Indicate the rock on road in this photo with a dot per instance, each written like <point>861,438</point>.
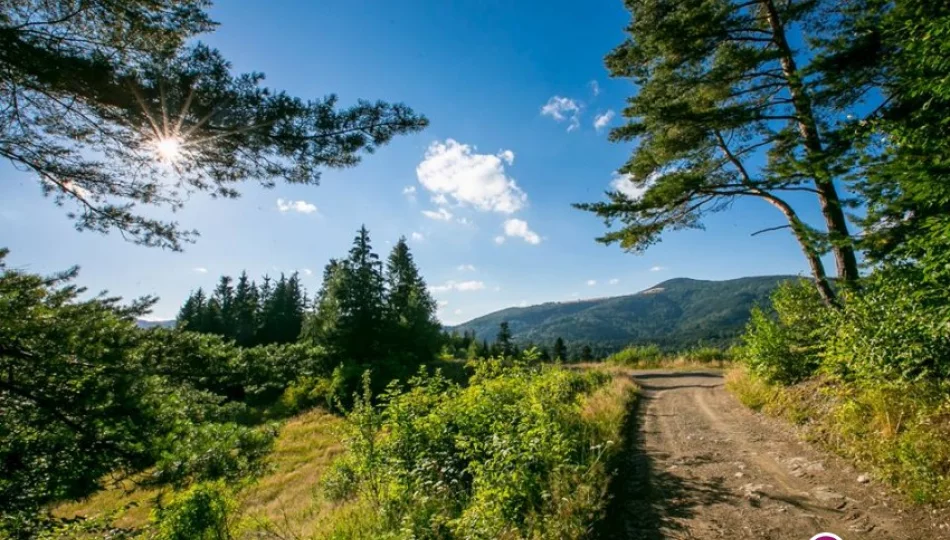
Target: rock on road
<point>700,465</point>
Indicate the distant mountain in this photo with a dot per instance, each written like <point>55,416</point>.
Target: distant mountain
<point>142,323</point>
<point>674,314</point>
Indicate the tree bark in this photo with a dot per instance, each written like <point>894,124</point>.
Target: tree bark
<point>829,200</point>
<point>811,254</point>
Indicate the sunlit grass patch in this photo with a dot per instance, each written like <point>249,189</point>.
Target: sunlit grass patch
<point>284,498</point>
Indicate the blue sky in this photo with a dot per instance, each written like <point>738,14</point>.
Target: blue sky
<point>483,72</point>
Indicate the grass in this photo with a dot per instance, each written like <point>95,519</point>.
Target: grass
<point>288,500</point>
<point>652,357</point>
<point>283,499</point>
<point>901,433</point>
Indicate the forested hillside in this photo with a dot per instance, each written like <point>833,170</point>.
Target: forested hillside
<point>674,314</point>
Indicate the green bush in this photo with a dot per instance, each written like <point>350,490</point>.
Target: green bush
<point>784,346</point>
<point>510,455</point>
<point>203,512</point>
<point>637,356</point>
<point>885,332</point>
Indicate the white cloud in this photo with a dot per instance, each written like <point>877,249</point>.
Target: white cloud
<point>499,239</point>
<point>455,170</point>
<point>417,236</point>
<point>614,281</point>
<point>465,221</point>
<point>507,156</point>
<point>439,199</point>
<point>634,188</point>
<point>594,88</point>
<point>457,312</point>
<point>307,271</point>
<point>443,303</point>
<point>519,228</point>
<point>523,303</point>
<point>575,294</point>
<point>658,268</point>
<point>441,215</point>
<point>625,184</point>
<point>466,268</point>
<point>603,120</point>
<point>201,270</point>
<point>296,206</point>
<point>410,193</point>
<point>591,282</point>
<point>561,109</point>
<point>461,286</point>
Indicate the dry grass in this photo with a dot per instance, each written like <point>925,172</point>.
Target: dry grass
<point>284,500</point>
<point>900,433</point>
<point>607,407</point>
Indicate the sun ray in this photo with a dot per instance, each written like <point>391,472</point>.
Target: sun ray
<point>185,109</point>
<point>148,115</point>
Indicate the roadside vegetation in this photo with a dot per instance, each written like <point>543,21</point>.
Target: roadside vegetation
<point>652,356</point>
<point>869,380</point>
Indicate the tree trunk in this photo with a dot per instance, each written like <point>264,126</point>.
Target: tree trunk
<point>808,248</point>
<point>798,228</point>
<point>842,247</point>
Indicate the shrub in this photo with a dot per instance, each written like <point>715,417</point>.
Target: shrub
<point>784,346</point>
<point>203,512</point>
<point>511,455</point>
<point>885,332</point>
<point>637,356</point>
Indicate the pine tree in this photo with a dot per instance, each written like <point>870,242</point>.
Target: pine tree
<point>503,339</point>
<point>91,90</point>
<point>719,89</point>
<point>410,308</point>
<point>587,354</point>
<point>560,350</point>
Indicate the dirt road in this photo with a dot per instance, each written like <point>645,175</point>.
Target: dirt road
<point>701,466</point>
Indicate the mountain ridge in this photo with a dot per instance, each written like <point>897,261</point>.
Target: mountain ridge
<point>673,313</point>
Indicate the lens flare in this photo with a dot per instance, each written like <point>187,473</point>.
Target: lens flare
<point>168,149</point>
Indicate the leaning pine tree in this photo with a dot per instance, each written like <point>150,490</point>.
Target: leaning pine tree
<point>727,108</point>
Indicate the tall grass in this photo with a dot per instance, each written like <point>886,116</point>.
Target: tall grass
<point>900,433</point>
<point>653,357</point>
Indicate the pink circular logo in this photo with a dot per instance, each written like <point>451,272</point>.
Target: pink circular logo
<point>826,536</point>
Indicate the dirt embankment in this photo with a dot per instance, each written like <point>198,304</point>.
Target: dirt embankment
<point>701,466</point>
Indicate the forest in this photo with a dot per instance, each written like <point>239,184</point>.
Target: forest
<point>838,109</point>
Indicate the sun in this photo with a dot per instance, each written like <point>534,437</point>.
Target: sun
<point>168,149</point>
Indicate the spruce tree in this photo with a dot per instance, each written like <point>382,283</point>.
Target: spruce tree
<point>245,311</point>
<point>503,339</point>
<point>410,308</point>
<point>350,318</point>
<point>322,324</point>
<point>223,302</point>
<point>560,350</point>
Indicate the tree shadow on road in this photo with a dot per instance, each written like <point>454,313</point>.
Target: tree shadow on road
<point>646,501</point>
